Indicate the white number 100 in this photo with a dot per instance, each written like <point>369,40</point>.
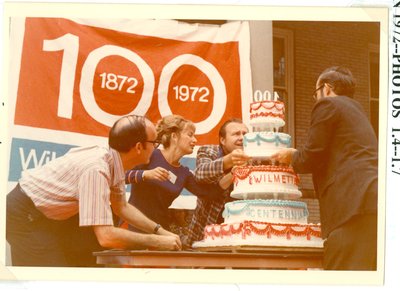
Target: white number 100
<point>69,44</point>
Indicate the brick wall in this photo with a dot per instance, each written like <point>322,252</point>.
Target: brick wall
<point>313,209</point>
<point>317,46</point>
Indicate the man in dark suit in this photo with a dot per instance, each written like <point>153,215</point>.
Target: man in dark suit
<point>341,154</point>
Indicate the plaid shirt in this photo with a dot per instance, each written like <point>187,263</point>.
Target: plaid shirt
<point>209,169</point>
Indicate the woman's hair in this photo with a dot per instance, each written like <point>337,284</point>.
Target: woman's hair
<point>127,132</point>
<point>171,124</point>
<point>340,79</point>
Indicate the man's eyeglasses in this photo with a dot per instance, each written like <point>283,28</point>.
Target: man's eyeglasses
<point>316,91</point>
<point>155,143</point>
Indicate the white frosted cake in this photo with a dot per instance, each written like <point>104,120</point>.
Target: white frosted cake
<point>265,181</point>
<point>263,144</point>
<point>276,211</point>
<point>267,115</point>
<point>265,217</point>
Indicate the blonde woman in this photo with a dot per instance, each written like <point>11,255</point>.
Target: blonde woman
<point>155,185</point>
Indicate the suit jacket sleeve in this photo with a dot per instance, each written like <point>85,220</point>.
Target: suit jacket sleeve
<point>313,155</point>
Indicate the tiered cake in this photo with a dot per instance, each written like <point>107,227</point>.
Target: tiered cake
<point>268,214</point>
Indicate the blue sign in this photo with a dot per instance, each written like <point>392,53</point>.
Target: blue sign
<point>27,154</point>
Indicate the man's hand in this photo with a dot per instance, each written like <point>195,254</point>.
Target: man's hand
<point>162,231</point>
<point>284,156</point>
<point>112,237</point>
<point>168,242</point>
<point>236,158</point>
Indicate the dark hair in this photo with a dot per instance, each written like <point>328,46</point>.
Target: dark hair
<point>222,130</point>
<point>340,79</point>
<point>127,132</point>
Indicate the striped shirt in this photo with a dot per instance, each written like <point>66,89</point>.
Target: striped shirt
<point>82,181</point>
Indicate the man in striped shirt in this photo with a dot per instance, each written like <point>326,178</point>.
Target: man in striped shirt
<point>58,214</point>
<point>214,164</point>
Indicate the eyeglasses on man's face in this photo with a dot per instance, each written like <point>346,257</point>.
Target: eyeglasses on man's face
<point>155,143</point>
<point>316,91</point>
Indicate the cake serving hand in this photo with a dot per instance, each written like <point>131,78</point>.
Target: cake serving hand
<point>238,157</point>
<point>284,156</point>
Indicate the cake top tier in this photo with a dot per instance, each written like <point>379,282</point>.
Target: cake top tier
<point>267,115</point>
<point>272,108</point>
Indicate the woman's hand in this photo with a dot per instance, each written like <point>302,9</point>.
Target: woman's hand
<point>158,173</point>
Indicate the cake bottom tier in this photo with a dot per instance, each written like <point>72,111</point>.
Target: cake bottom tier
<point>253,233</point>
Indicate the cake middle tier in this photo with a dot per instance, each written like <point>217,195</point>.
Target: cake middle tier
<point>263,144</point>
<point>278,211</point>
<point>265,182</point>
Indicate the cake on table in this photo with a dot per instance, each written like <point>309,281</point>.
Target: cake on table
<point>267,213</point>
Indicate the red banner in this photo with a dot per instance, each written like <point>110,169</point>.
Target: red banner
<point>80,78</point>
